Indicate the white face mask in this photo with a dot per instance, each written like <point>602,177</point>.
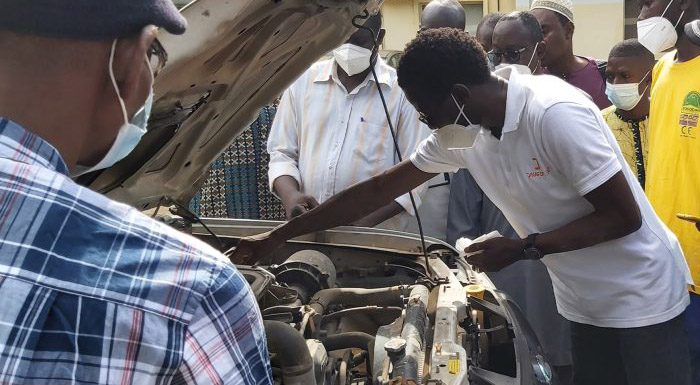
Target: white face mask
<point>130,132</point>
<point>657,33</point>
<point>456,136</point>
<point>625,96</point>
<point>352,59</point>
<point>522,69</point>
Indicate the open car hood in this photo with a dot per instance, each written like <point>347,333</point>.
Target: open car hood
<point>236,57</point>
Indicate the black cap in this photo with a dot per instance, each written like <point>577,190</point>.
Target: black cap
<point>89,19</point>
<point>692,29</point>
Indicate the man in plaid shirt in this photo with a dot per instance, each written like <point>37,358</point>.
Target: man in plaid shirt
<point>92,291</point>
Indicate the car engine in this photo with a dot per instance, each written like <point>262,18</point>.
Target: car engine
<point>337,316</point>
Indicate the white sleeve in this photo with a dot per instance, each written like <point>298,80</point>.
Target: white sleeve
<point>574,139</point>
<point>410,133</point>
<point>283,143</point>
<point>433,158</point>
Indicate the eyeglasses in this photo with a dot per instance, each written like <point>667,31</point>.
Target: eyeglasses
<point>157,57</point>
<point>511,56</point>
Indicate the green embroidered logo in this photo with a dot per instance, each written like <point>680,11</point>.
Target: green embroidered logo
<point>689,115</point>
<point>692,100</point>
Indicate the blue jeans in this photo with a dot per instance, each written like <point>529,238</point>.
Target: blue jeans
<point>692,324</point>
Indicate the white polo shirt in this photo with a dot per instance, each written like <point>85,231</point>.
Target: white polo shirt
<point>556,148</point>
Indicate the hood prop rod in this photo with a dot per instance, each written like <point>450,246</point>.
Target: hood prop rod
<point>372,61</point>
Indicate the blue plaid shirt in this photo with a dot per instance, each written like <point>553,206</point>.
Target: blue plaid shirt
<point>94,292</point>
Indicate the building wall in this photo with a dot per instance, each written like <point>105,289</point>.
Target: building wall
<point>599,23</point>
<point>402,17</point>
<point>400,22</point>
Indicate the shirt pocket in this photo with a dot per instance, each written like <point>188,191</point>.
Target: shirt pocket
<point>374,143</point>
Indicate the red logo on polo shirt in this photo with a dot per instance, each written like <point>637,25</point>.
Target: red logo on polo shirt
<point>538,171</point>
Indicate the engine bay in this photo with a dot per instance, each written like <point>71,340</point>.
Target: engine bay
<point>338,314</point>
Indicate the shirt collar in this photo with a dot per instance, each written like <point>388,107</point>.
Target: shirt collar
<point>327,72</point>
<point>515,102</point>
<point>20,145</point>
<point>627,120</point>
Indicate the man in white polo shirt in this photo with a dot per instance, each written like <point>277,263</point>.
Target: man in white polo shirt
<point>542,153</point>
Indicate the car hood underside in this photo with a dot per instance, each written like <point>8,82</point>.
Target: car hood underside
<point>236,57</point>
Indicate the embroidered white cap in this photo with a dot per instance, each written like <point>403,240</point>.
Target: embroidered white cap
<point>563,7</point>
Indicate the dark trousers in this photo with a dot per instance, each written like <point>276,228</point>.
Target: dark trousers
<point>692,323</point>
<point>650,355</point>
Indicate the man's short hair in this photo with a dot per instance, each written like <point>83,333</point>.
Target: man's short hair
<point>631,48</point>
<point>439,58</point>
<point>490,20</point>
<point>529,21</point>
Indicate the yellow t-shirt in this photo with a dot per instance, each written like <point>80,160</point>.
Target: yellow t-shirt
<point>673,174</point>
<point>633,140</point>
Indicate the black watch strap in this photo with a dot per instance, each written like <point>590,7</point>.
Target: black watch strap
<point>530,240</point>
<point>531,251</point>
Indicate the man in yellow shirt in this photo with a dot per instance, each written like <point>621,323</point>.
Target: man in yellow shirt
<point>628,81</point>
<point>673,176</point>
<point>692,30</point>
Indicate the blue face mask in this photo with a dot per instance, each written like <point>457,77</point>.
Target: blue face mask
<point>130,133</point>
<point>625,96</point>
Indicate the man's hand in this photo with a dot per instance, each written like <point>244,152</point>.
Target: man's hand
<point>297,204</point>
<point>251,249</point>
<point>495,254</point>
<point>349,205</point>
<point>294,201</point>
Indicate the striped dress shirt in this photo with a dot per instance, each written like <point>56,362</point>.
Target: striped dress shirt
<point>329,139</point>
<point>94,292</point>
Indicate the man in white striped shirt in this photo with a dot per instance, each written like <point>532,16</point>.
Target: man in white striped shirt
<point>331,132</point>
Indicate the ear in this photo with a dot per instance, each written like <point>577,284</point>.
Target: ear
<point>541,49</point>
<point>648,80</point>
<point>461,92</point>
<point>380,37</point>
<point>130,61</point>
<point>569,30</point>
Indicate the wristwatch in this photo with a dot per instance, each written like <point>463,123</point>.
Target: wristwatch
<point>531,251</point>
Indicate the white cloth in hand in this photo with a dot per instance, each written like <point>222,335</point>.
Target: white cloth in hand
<point>464,242</point>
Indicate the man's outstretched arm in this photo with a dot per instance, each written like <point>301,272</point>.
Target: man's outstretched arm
<point>387,212</point>
<point>349,205</point>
